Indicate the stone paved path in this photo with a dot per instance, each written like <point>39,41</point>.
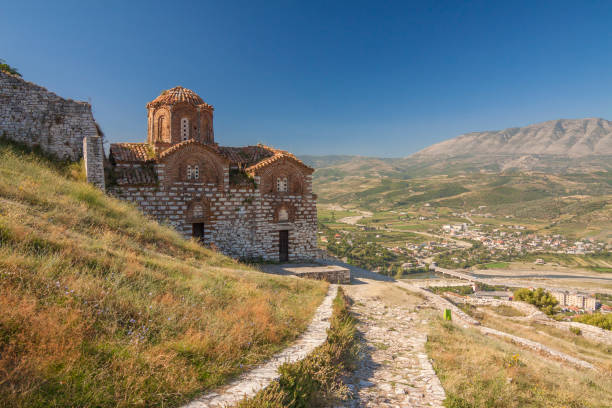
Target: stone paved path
<point>248,384</point>
<point>394,370</point>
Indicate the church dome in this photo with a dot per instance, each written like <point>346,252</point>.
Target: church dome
<point>176,95</point>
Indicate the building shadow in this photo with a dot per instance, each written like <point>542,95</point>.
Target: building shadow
<point>357,273</point>
<point>361,377</point>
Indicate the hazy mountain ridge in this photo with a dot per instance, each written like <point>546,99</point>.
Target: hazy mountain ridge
<point>562,137</point>
<point>556,146</point>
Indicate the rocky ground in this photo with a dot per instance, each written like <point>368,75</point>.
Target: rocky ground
<point>394,370</point>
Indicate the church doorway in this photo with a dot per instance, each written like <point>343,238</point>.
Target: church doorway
<point>197,231</point>
<point>283,246</point>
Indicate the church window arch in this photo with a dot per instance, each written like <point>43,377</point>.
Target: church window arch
<point>283,215</point>
<point>160,128</point>
<point>282,184</point>
<point>184,129</point>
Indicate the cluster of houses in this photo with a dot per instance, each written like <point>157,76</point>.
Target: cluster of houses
<point>425,249</point>
<point>576,302</point>
<point>519,241</point>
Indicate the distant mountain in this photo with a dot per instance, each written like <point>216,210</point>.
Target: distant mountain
<point>324,161</point>
<point>564,137</point>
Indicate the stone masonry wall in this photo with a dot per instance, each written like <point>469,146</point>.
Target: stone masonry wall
<point>93,156</point>
<point>32,115</point>
<point>238,220</point>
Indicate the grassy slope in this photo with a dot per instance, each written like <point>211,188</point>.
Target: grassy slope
<point>481,371</point>
<point>101,306</point>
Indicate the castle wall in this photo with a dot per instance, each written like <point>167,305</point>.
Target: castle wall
<point>32,115</point>
<point>93,156</point>
<point>239,221</point>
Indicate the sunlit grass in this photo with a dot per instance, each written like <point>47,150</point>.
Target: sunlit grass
<point>480,371</point>
<point>101,306</point>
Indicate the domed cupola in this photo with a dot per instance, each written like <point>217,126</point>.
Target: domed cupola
<point>177,115</point>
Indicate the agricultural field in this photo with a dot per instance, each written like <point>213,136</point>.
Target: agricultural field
<point>407,209</point>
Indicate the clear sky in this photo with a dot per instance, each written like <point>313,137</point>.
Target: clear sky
<point>322,77</point>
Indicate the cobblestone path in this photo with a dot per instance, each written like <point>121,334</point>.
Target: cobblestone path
<point>248,384</point>
<point>394,370</point>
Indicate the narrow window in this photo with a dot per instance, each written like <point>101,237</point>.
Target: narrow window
<point>196,172</point>
<point>283,215</point>
<point>160,128</point>
<point>198,211</point>
<point>188,172</point>
<point>281,184</point>
<point>184,129</point>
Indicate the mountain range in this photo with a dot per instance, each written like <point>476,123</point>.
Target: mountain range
<point>563,145</point>
<point>562,137</point>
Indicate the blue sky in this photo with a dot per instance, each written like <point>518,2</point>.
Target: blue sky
<point>329,77</point>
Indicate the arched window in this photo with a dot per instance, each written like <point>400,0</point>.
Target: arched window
<point>283,215</point>
<point>197,211</point>
<point>196,172</point>
<point>189,172</point>
<point>281,184</point>
<point>160,128</point>
<point>184,129</point>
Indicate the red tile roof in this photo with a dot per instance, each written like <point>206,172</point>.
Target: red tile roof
<point>178,94</point>
<point>251,158</point>
<point>131,152</point>
<point>247,155</point>
<point>278,155</point>
<point>180,145</point>
<point>135,176</point>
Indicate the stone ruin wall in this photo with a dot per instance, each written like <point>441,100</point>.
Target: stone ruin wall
<point>534,314</point>
<point>32,115</point>
<point>240,221</point>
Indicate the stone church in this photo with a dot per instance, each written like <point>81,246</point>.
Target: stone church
<point>252,202</point>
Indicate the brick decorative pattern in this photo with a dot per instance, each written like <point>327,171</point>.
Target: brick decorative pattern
<point>240,221</point>
<point>32,115</point>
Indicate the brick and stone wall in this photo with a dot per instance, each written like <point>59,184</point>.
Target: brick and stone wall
<point>32,115</point>
<point>240,221</point>
<point>93,156</point>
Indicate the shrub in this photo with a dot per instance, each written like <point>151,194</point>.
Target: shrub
<point>4,67</point>
<point>596,319</point>
<point>575,330</point>
<point>540,298</point>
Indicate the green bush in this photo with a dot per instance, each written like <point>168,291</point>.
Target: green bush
<point>540,298</point>
<point>596,319</point>
<point>575,330</point>
<point>4,67</point>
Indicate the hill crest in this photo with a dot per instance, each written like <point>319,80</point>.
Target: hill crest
<point>561,137</point>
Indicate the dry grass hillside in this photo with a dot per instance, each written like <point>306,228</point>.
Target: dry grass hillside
<point>103,307</point>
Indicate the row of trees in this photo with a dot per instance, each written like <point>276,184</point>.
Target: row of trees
<point>596,319</point>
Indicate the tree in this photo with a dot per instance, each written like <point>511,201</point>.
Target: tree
<point>4,67</point>
<point>539,298</point>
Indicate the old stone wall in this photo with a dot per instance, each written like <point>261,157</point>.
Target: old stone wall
<point>93,156</point>
<point>238,220</point>
<point>32,115</point>
<point>534,314</point>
